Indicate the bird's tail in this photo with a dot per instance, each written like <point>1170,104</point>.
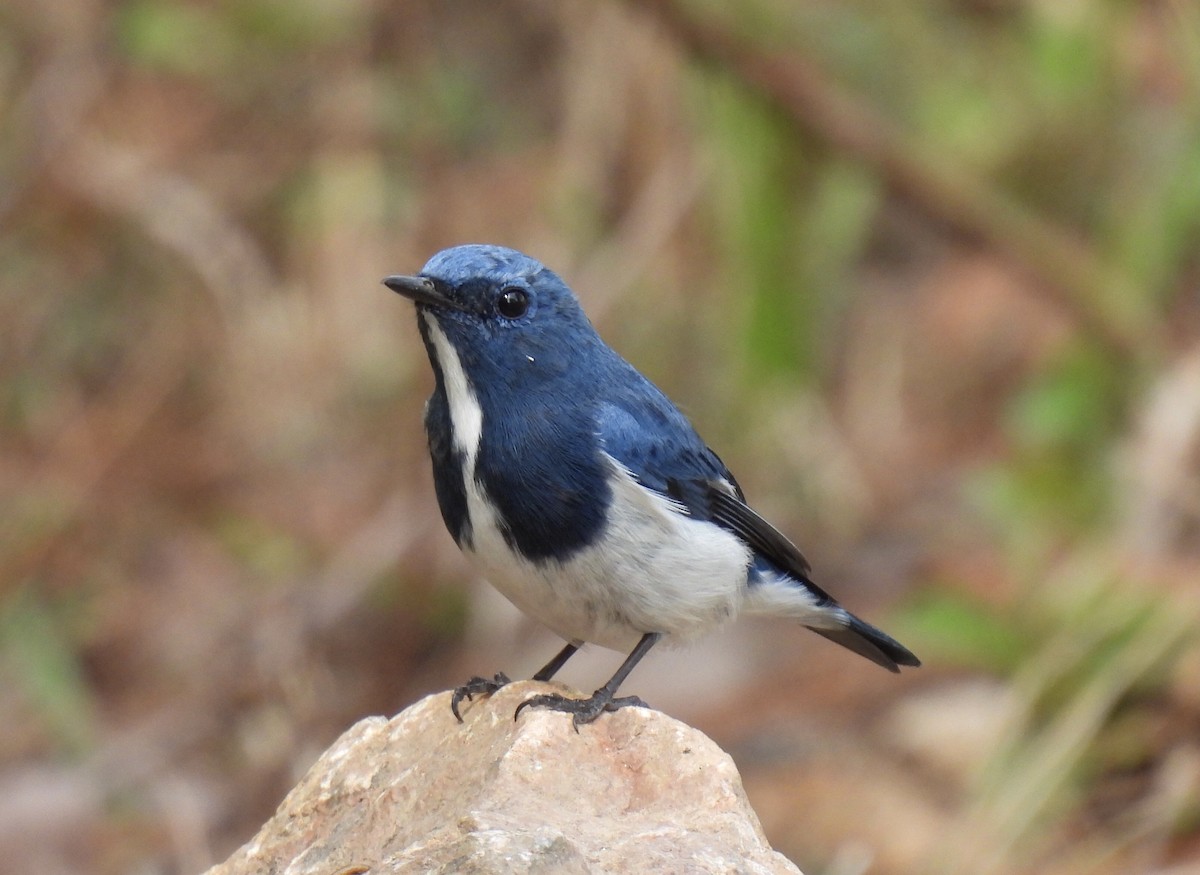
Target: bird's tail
<point>784,596</point>
<point>865,640</point>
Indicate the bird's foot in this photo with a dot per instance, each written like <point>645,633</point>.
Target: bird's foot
<point>581,710</point>
<point>476,686</point>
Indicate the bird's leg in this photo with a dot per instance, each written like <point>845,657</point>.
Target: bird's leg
<point>550,668</point>
<point>478,686</point>
<point>587,710</point>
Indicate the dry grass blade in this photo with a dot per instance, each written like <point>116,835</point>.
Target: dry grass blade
<point>1033,772</point>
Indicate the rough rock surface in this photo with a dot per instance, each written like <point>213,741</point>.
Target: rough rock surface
<point>636,791</point>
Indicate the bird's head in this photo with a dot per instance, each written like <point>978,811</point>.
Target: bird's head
<point>508,318</point>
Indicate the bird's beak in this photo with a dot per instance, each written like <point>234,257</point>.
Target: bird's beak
<point>422,290</point>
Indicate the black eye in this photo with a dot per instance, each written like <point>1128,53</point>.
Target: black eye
<point>512,303</point>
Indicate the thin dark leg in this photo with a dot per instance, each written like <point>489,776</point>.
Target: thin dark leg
<point>550,668</point>
<point>587,710</point>
<point>618,678</point>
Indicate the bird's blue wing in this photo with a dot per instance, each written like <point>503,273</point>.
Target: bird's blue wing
<point>648,435</point>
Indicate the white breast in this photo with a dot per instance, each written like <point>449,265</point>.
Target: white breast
<point>653,569</point>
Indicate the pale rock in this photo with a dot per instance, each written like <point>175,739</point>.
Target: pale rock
<point>636,791</point>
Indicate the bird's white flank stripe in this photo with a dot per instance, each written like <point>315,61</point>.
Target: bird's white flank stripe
<point>466,416</point>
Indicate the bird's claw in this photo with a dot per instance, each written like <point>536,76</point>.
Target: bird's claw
<point>476,686</point>
<point>582,711</point>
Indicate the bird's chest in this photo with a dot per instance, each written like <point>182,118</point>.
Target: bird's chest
<point>530,459</point>
<point>559,527</point>
<point>531,539</point>
<point>541,489</point>
<point>516,476</point>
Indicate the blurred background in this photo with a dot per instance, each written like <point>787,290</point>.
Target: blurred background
<point>926,273</point>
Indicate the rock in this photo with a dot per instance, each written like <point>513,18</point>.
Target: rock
<point>636,791</point>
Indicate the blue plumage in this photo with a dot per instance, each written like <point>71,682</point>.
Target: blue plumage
<point>580,490</point>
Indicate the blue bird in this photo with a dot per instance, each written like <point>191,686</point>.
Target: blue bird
<point>581,492</point>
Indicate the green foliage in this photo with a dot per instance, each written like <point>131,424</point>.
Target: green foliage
<point>38,654</point>
<point>1062,425</point>
<point>176,37</point>
<point>793,223</point>
<point>211,41</point>
<point>444,611</point>
<point>760,226</point>
<point>268,553</point>
<point>957,630</point>
<point>293,25</point>
<point>1072,407</point>
<point>1068,54</point>
<point>1154,211</point>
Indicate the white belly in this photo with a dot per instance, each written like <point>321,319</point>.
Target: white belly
<point>653,569</point>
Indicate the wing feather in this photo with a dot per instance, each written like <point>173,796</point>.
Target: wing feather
<point>675,462</point>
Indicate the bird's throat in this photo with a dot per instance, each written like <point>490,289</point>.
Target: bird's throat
<point>466,414</point>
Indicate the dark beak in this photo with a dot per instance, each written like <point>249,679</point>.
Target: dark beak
<point>421,290</point>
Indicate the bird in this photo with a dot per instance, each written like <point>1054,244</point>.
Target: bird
<point>575,486</point>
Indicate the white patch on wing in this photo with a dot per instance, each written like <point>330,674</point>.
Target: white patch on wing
<point>652,569</point>
<point>466,416</point>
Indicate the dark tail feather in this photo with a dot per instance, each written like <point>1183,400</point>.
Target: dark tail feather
<point>865,640</point>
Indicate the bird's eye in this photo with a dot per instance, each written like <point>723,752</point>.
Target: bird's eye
<point>512,303</point>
